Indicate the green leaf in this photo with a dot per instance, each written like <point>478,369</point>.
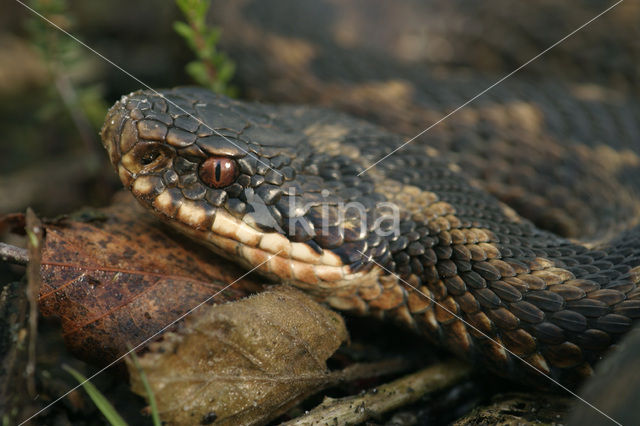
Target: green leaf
<point>202,40</point>
<point>198,71</point>
<point>201,9</point>
<point>184,5</point>
<point>226,70</point>
<point>183,29</point>
<point>101,402</point>
<point>155,413</point>
<point>211,39</point>
<point>206,55</point>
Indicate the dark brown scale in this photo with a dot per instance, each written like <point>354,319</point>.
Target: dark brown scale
<point>487,298</point>
<point>628,308</point>
<point>504,269</point>
<point>460,252</point>
<point>187,180</point>
<point>518,266</point>
<point>415,249</point>
<point>159,116</point>
<point>467,303</point>
<point>186,123</point>
<point>613,323</point>
<point>234,190</point>
<point>301,229</point>
<point>527,312</point>
<point>195,191</point>
<point>417,266</point>
<point>236,207</point>
<point>519,342</point>
<point>585,285</point>
<point>564,355</point>
<point>152,130</point>
<point>593,339</point>
<point>517,283</point>
<point>462,266</point>
<point>180,138</point>
<point>506,292</point>
<point>503,318</point>
<point>569,320</point>
<point>429,257</point>
<point>477,253</point>
<point>244,180</point>
<point>607,296</point>
<point>354,232</point>
<point>455,285</point>
<point>487,271</point>
<point>443,252</point>
<point>216,197</point>
<point>589,307</point>
<point>330,237</point>
<point>545,300</point>
<point>549,333</point>
<point>568,292</point>
<point>474,280</point>
<point>533,282</point>
<point>446,268</point>
<point>402,258</point>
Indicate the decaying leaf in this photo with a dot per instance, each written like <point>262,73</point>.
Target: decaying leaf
<point>115,277</point>
<point>244,362</point>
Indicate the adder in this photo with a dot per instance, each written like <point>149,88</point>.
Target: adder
<point>426,236</point>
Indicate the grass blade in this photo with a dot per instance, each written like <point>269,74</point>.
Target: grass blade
<point>155,414</point>
<point>98,399</point>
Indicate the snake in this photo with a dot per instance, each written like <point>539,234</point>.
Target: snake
<point>281,189</point>
<point>509,235</point>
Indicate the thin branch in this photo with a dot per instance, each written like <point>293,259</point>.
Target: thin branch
<point>368,370</point>
<point>408,389</point>
<point>35,233</point>
<point>13,254</point>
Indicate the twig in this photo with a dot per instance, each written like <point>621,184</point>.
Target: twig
<point>13,254</point>
<point>35,234</point>
<point>408,389</point>
<point>368,370</point>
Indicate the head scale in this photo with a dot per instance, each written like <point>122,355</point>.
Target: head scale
<point>232,178</point>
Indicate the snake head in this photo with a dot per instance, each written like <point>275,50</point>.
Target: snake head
<point>245,180</point>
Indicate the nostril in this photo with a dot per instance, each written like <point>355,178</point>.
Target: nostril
<point>149,157</point>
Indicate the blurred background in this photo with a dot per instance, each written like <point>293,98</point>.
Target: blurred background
<point>54,93</point>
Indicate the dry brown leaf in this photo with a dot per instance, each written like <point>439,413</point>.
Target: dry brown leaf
<point>244,362</point>
<point>115,277</point>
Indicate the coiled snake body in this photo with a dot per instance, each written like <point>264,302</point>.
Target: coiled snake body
<point>425,236</point>
<point>281,188</point>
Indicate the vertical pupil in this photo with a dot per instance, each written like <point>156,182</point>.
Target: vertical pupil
<point>218,172</point>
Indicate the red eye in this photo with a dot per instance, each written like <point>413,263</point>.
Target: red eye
<point>218,172</point>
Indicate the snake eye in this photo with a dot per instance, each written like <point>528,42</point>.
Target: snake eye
<point>218,172</point>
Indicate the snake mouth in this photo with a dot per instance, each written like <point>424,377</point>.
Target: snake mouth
<point>217,196</point>
<point>270,253</point>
